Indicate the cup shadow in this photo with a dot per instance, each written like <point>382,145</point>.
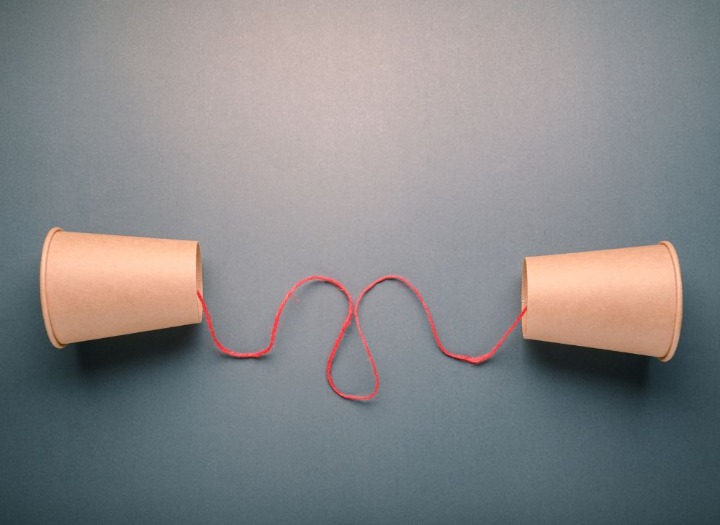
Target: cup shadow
<point>594,365</point>
<point>126,351</point>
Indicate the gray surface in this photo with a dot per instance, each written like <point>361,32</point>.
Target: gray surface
<point>443,142</point>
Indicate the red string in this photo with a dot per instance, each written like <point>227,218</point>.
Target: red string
<point>353,312</point>
<point>475,360</point>
<point>276,324</point>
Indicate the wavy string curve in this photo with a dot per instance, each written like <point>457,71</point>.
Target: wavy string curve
<point>353,313</point>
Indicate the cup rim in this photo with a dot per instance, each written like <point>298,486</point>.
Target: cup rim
<point>43,287</point>
<point>678,301</point>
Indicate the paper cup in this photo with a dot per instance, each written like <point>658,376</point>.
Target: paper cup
<point>94,286</point>
<point>627,300</point>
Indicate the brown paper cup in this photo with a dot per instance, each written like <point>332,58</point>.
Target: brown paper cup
<point>627,300</point>
<point>94,286</point>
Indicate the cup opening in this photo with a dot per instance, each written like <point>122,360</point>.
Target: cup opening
<point>524,295</point>
<point>678,301</point>
<point>43,287</point>
<point>198,278</point>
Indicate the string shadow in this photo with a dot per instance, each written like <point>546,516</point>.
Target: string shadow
<point>127,351</point>
<point>591,364</point>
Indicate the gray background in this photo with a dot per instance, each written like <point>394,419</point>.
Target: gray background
<point>442,141</point>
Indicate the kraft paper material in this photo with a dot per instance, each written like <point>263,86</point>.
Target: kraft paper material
<point>627,300</point>
<point>94,286</point>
